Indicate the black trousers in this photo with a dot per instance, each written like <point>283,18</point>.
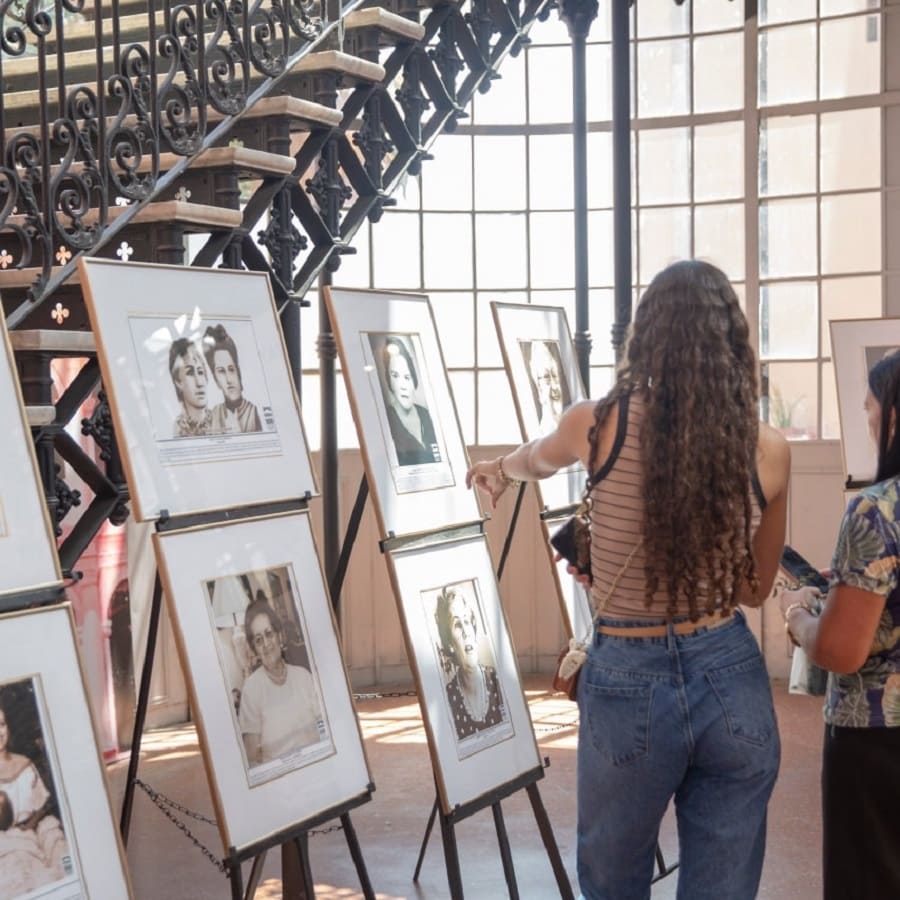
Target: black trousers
<point>861,813</point>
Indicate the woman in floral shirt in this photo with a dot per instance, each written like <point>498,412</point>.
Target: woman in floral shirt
<point>857,639</point>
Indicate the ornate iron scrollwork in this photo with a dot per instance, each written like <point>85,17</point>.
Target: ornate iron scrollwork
<point>446,57</point>
<point>282,244</point>
<point>226,87</point>
<point>66,498</point>
<point>182,103</point>
<point>373,140</point>
<point>268,38</point>
<point>328,189</point>
<point>305,18</point>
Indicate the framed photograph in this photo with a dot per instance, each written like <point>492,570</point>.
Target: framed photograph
<point>543,373</point>
<point>411,440</point>
<point>269,690</point>
<point>857,344</point>
<point>476,717</point>
<point>205,409</point>
<point>58,839</point>
<point>28,558</point>
<point>574,600</point>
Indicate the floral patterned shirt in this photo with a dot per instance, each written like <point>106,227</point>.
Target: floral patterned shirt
<point>867,557</point>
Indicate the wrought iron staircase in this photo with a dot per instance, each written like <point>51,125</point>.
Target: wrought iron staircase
<point>274,128</point>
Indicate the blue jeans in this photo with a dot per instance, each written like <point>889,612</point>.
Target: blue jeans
<point>683,716</point>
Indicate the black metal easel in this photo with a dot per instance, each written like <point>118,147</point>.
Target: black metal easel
<point>527,781</point>
<point>294,841</point>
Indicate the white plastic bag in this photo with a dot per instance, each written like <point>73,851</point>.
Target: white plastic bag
<point>806,677</point>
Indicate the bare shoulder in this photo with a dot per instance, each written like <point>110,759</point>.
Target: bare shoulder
<point>773,460</point>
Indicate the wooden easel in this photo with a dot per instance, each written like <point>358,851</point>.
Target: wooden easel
<point>294,841</point>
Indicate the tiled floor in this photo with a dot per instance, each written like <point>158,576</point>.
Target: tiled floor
<point>165,865</point>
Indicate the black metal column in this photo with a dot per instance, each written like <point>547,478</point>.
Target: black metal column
<point>621,130</point>
<point>578,16</point>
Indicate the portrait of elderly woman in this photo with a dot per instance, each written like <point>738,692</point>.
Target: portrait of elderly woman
<point>187,369</point>
<point>549,387</point>
<point>412,429</point>
<point>235,414</point>
<point>34,852</point>
<point>473,689</point>
<point>279,710</point>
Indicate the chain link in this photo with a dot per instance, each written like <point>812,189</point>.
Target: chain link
<point>549,729</point>
<point>328,830</point>
<point>166,806</point>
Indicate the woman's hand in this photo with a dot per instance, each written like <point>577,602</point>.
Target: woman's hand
<point>795,604</point>
<point>487,476</point>
<point>582,578</point>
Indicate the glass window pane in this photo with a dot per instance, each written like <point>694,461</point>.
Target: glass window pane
<point>501,260</point>
<point>555,31</point>
<point>850,57</point>
<point>851,149</point>
<point>788,320</point>
<point>664,78</point>
<point>549,171</point>
<point>656,19</point>
<point>719,237</point>
<point>787,65</point>
<point>354,267</point>
<point>395,251</point>
<point>787,156</point>
<point>665,236</point>
<point>598,70</point>
<point>500,172</point>
<point>772,11</point>
<point>851,233</point>
<point>787,238</point>
<point>848,298</point>
<point>463,386</point>
<point>599,148</point>
<point>447,247</point>
<point>309,332</point>
<point>552,250</point>
<point>831,421</point>
<point>600,249</point>
<point>719,161</point>
<point>488,345</point>
<point>602,380</point>
<point>602,317</point>
<point>719,72</point>
<point>717,16</point>
<point>664,167</point>
<point>549,84</point>
<point>312,411</point>
<point>497,420</point>
<point>791,402</point>
<point>447,179</point>
<point>454,316</point>
<point>504,103</point>
<point>408,192</point>
<point>839,7</point>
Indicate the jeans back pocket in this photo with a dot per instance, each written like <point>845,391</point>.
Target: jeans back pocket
<point>745,695</point>
<point>618,717</point>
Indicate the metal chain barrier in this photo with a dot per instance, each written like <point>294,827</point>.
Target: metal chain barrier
<point>384,695</point>
<point>166,806</point>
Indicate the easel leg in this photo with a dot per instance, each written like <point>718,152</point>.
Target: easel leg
<point>507,544</point>
<point>428,827</point>
<point>662,869</point>
<point>236,879</point>
<point>141,711</point>
<point>337,581</point>
<point>255,875</point>
<point>356,854</point>
<point>543,823</point>
<point>509,871</point>
<point>451,858</point>
<point>296,876</point>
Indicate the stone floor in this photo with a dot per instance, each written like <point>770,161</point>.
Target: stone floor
<point>165,865</point>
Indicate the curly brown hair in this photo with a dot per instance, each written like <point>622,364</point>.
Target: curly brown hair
<point>689,356</point>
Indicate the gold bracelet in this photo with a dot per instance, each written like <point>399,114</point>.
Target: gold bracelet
<point>509,482</point>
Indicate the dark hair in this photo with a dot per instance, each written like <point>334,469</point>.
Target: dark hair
<point>393,346</point>
<point>445,600</point>
<point>689,355</point>
<point>7,815</point>
<point>261,607</point>
<point>217,338</point>
<point>884,383</point>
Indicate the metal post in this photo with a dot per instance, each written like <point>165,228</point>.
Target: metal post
<point>578,16</point>
<point>621,130</point>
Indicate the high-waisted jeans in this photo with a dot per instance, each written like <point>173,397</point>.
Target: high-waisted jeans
<point>688,717</point>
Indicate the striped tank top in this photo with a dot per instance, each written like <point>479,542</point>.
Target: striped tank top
<point>617,517</point>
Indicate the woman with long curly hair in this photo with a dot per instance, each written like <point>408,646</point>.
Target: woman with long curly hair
<point>689,498</point>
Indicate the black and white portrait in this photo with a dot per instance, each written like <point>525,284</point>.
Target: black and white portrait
<point>465,654</point>
<point>269,672</point>
<point>547,380</point>
<point>36,857</point>
<point>876,354</point>
<point>403,386</point>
